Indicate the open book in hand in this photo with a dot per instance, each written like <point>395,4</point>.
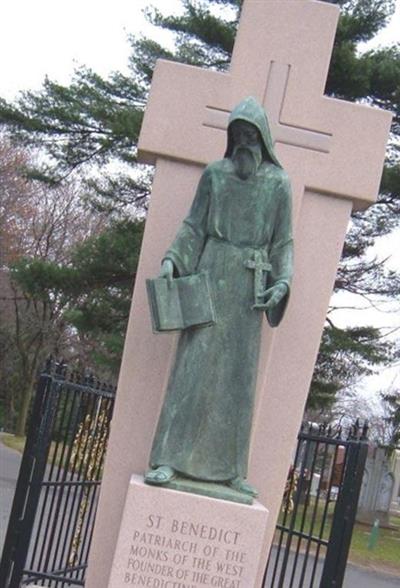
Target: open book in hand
<point>185,302</point>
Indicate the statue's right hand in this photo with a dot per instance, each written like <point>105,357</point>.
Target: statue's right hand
<point>167,270</point>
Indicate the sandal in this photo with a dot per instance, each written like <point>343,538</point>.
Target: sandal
<point>160,475</point>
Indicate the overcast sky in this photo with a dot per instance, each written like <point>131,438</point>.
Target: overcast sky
<point>39,37</point>
<point>52,37</point>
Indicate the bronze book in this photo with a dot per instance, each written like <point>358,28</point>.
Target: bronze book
<point>185,303</point>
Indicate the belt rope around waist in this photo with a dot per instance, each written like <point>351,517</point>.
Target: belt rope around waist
<point>261,248</point>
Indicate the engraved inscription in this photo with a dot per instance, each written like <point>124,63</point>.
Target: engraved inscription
<point>176,553</point>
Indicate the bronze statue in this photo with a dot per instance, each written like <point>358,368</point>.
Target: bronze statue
<point>239,231</point>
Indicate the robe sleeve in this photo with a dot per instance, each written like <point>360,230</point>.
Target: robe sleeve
<point>189,242</point>
<point>281,250</point>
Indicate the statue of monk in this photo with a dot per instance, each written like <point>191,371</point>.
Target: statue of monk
<point>239,230</point>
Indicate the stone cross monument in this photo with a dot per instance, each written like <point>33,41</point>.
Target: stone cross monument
<point>333,152</point>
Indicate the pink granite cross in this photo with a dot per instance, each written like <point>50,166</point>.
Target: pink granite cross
<point>333,151</point>
<point>281,57</point>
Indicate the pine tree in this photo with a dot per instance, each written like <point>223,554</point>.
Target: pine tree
<point>92,122</point>
<point>103,270</point>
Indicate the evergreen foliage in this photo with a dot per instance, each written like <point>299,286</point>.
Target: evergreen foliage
<point>93,289</point>
<point>94,121</point>
<point>103,276</point>
<point>345,355</point>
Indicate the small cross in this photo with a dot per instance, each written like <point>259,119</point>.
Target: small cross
<point>259,266</point>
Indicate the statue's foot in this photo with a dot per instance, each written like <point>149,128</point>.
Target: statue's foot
<point>242,486</point>
<point>159,476</point>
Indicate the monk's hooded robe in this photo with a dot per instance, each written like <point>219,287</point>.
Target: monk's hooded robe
<point>205,423</point>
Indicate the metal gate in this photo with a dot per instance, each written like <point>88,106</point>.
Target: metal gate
<point>53,512</point>
<point>315,526</point>
<point>52,517</point>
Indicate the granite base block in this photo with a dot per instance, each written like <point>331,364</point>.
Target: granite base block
<point>174,539</point>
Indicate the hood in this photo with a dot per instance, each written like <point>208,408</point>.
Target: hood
<point>252,112</point>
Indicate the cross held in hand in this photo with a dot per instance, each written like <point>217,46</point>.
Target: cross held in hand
<point>259,266</point>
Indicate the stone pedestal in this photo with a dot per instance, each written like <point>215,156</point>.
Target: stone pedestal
<point>171,539</point>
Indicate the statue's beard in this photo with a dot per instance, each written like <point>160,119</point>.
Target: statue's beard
<point>246,160</point>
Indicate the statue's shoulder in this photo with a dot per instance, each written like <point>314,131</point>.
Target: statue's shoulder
<point>221,166</point>
<point>278,175</point>
<point>272,170</point>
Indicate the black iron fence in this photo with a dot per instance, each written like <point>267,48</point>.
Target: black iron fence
<point>314,529</point>
<point>52,517</point>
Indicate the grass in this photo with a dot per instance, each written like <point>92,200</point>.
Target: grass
<point>17,443</point>
<point>385,555</point>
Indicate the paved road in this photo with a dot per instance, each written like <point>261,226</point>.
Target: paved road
<point>9,465</point>
<point>355,576</point>
<point>360,578</point>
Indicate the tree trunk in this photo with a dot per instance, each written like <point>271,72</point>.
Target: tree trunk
<point>20,430</point>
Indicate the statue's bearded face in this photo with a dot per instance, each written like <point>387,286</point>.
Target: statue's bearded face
<point>247,151</point>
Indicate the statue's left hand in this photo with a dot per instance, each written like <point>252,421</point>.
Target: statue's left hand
<point>167,271</point>
<point>273,296</point>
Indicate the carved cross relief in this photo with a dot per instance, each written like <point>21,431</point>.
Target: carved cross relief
<point>273,101</point>
<point>281,57</point>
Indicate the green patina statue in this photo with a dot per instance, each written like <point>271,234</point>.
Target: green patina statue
<point>239,231</point>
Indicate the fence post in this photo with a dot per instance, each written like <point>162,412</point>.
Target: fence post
<point>344,516</point>
<point>28,487</point>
